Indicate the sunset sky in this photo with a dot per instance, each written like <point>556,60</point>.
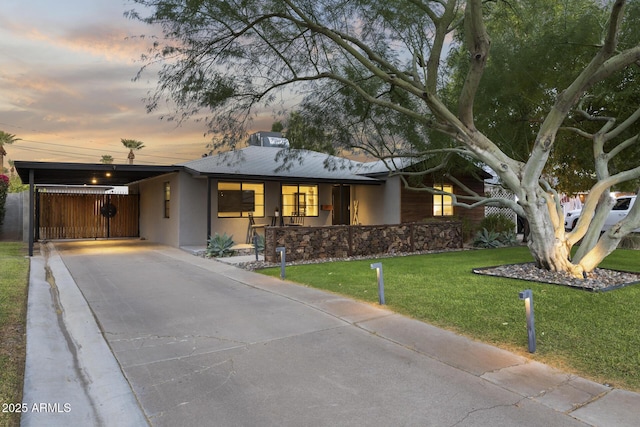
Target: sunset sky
<point>66,71</point>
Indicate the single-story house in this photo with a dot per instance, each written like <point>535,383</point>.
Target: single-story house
<point>181,205</point>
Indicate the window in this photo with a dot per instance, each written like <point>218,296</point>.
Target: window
<point>300,200</point>
<point>443,204</point>
<point>167,198</point>
<point>622,205</point>
<point>239,199</point>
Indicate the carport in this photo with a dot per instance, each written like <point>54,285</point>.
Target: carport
<point>41,174</point>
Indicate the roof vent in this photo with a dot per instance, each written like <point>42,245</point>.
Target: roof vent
<point>268,139</point>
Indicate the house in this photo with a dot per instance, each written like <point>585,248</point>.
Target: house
<point>181,205</point>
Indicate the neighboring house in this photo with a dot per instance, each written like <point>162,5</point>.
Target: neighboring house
<point>181,205</point>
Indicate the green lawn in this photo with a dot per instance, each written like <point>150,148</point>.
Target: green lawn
<point>14,272</point>
<point>596,335</point>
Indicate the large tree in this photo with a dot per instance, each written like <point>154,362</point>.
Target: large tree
<point>231,58</point>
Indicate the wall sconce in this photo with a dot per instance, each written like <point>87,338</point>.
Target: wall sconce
<point>527,296</point>
<point>378,267</point>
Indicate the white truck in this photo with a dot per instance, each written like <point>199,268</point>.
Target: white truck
<point>620,210</point>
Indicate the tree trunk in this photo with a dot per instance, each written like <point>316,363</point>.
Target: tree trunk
<point>547,242</point>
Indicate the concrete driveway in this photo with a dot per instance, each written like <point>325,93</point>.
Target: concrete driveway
<point>204,343</point>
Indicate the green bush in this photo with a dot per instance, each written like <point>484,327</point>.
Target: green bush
<point>4,188</point>
<point>219,246</point>
<point>508,238</point>
<point>259,242</point>
<point>487,239</point>
<point>498,223</point>
<point>491,239</point>
<point>631,241</point>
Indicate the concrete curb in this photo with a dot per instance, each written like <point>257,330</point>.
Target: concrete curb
<point>70,371</point>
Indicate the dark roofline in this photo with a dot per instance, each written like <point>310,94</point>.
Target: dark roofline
<point>290,179</point>
<point>83,173</point>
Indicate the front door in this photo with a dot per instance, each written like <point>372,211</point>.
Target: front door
<point>341,205</point>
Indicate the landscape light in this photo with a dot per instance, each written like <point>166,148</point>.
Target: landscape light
<point>378,268</point>
<point>527,296</point>
<point>283,257</point>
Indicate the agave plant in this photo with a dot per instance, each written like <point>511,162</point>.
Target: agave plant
<point>508,238</point>
<point>219,246</point>
<point>259,242</point>
<point>487,239</point>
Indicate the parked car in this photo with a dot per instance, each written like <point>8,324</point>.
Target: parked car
<point>620,210</point>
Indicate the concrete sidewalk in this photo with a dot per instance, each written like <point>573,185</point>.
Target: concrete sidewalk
<point>191,341</point>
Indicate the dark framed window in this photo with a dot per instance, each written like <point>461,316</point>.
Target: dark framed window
<point>167,199</point>
<point>442,203</point>
<point>299,200</point>
<point>239,199</point>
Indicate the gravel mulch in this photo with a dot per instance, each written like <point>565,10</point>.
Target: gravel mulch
<point>599,280</point>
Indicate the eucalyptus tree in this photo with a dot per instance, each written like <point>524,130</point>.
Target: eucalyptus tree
<point>230,59</point>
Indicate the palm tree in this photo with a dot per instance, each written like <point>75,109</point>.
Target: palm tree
<point>132,144</point>
<point>5,138</point>
<point>106,159</point>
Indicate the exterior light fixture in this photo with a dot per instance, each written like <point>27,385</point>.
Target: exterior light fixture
<point>108,174</point>
<point>283,257</point>
<point>527,297</point>
<point>94,181</point>
<point>378,267</point>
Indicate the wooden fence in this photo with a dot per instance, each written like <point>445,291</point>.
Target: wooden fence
<point>79,216</point>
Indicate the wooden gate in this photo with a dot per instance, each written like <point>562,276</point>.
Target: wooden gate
<point>81,216</point>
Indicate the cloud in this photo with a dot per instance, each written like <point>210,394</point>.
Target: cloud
<point>66,78</point>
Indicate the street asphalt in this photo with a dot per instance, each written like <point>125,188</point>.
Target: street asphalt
<point>128,333</point>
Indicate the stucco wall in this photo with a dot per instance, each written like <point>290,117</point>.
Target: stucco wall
<point>153,225</point>
<point>191,207</point>
<point>377,204</point>
<point>13,227</point>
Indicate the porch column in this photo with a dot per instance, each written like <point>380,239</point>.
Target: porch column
<point>31,209</point>
<point>208,207</point>
<point>341,204</point>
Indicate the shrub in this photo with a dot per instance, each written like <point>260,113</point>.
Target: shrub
<point>259,242</point>
<point>4,188</point>
<point>630,241</point>
<point>498,223</point>
<point>487,239</point>
<point>508,238</point>
<point>219,246</point>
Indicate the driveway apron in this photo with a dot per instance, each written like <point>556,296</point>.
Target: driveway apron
<point>204,343</point>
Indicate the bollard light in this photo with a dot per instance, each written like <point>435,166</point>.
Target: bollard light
<point>527,296</point>
<point>378,267</point>
<point>283,256</point>
<point>255,245</point>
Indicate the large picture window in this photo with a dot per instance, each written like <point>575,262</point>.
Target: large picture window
<point>442,203</point>
<point>239,199</point>
<point>300,200</point>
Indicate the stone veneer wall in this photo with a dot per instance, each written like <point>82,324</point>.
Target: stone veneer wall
<point>341,241</point>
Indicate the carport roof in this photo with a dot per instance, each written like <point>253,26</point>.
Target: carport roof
<point>88,173</point>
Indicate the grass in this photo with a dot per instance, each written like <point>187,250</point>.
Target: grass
<point>14,272</point>
<point>594,335</point>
